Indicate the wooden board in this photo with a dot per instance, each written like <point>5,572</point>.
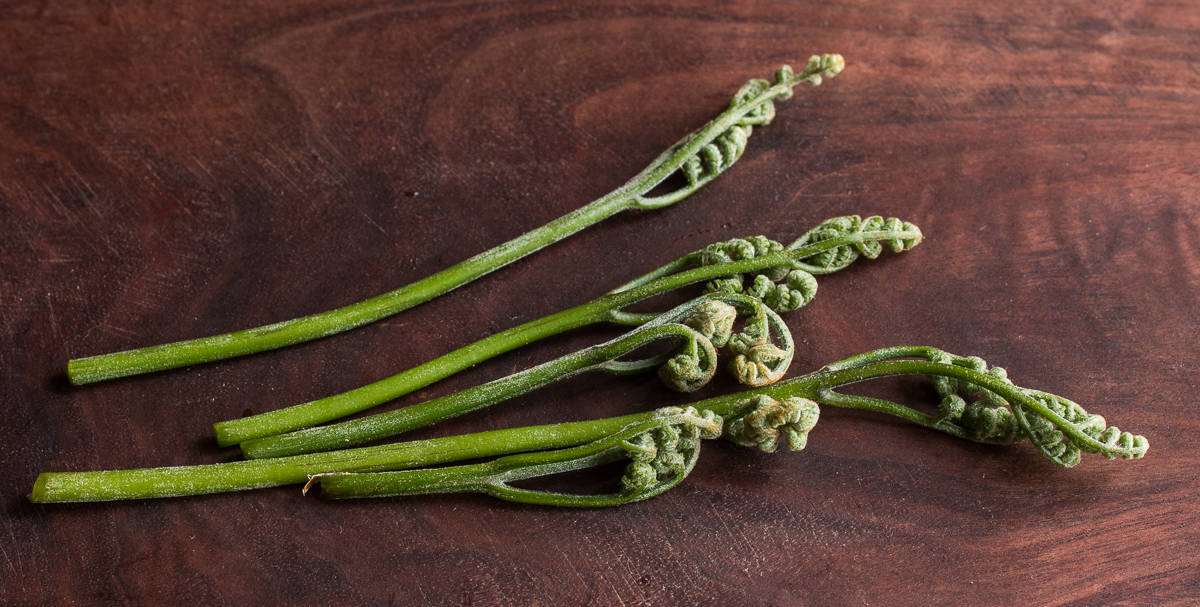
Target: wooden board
<point>171,170</point>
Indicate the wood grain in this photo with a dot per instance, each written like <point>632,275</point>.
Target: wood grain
<point>169,170</point>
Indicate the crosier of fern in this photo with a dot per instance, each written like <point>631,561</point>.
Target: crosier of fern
<point>661,450</point>
<point>783,277</point>
<point>976,403</point>
<point>700,156</point>
<point>998,412</point>
<point>761,354</point>
<point>983,405</point>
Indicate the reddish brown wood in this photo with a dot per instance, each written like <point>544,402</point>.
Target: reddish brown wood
<point>175,169</point>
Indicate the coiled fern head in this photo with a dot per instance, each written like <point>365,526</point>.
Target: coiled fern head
<point>665,454</point>
<point>1059,428</point>
<point>764,420</point>
<point>754,105</point>
<point>792,285</point>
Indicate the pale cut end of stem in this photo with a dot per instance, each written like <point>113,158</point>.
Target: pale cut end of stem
<point>38,495</point>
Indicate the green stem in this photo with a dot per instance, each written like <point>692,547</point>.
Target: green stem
<point>175,481</point>
<point>277,335</point>
<point>366,429</point>
<point>234,431</point>
<point>298,330</point>
<point>495,477</point>
<point>604,308</point>
<point>538,442</point>
<point>142,483</point>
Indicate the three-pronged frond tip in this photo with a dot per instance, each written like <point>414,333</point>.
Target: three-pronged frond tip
<point>823,66</point>
<point>815,70</point>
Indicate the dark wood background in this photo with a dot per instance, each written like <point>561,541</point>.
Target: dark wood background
<point>170,170</point>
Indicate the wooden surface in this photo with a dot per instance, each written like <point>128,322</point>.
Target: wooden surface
<point>171,170</point>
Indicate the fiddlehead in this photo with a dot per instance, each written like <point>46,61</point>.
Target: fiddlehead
<point>982,404</point>
<point>782,288</point>
<point>757,360</point>
<point>661,451</point>
<point>690,369</point>
<point>713,319</point>
<point>700,157</point>
<point>762,351</point>
<point>719,155</point>
<point>739,249</point>
<point>792,285</point>
<point>980,411</point>
<point>797,289</point>
<point>764,419</point>
<point>666,453</point>
<point>1059,447</point>
<point>657,459</point>
<point>906,236</point>
<point>716,147</point>
<point>781,277</point>
<point>707,324</point>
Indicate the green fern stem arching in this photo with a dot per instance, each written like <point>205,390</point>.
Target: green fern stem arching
<point>687,270</point>
<point>701,156</point>
<point>756,416</point>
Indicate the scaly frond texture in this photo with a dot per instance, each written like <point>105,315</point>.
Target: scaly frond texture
<point>792,285</point>
<point>758,359</point>
<point>978,403</point>
<point>700,156</point>
<point>661,451</point>
<point>981,403</point>
<point>765,419</point>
